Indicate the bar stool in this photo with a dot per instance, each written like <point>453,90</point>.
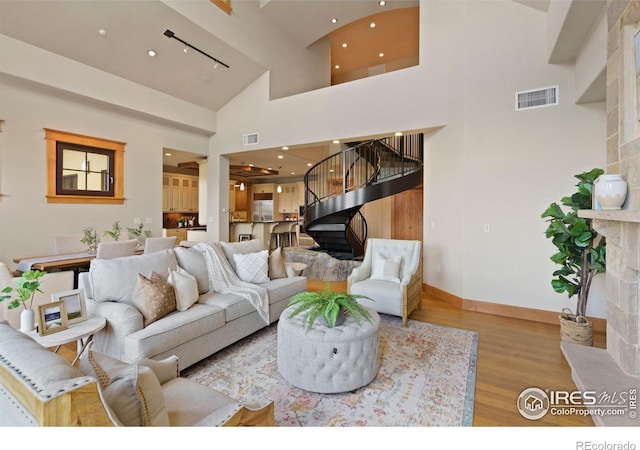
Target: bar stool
<point>291,236</point>
<point>279,236</point>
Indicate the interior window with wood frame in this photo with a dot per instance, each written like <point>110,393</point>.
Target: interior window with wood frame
<point>84,169</point>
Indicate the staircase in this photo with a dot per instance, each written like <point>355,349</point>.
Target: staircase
<point>337,187</point>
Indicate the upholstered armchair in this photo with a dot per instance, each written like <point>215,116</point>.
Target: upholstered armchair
<point>41,388</point>
<point>390,275</point>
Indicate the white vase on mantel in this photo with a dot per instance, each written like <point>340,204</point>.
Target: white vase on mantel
<point>27,320</point>
<point>610,191</point>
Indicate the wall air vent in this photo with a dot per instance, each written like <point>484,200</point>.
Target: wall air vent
<point>537,98</point>
<point>250,139</point>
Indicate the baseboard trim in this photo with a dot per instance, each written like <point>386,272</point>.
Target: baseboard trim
<point>497,309</point>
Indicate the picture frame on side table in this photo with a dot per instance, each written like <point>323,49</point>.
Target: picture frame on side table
<point>52,318</point>
<point>74,304</point>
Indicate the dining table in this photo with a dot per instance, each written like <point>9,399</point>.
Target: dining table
<point>52,263</point>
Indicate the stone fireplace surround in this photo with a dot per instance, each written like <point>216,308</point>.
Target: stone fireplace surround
<point>617,368</point>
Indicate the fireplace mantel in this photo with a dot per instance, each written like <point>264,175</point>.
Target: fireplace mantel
<point>615,215</point>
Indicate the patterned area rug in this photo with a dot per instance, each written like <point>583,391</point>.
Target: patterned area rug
<point>426,378</point>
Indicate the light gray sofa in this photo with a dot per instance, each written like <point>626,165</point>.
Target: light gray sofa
<point>214,322</point>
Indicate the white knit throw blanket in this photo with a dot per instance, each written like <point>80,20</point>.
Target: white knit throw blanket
<point>223,279</point>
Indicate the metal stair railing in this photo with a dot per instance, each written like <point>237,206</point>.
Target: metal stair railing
<point>356,167</point>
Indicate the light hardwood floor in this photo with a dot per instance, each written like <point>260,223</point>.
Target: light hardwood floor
<point>513,355</point>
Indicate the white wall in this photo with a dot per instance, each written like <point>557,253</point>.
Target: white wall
<point>27,221</point>
<point>488,165</point>
<point>513,164</point>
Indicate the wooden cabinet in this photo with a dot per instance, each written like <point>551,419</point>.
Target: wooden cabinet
<point>180,193</point>
<point>179,233</point>
<point>290,198</point>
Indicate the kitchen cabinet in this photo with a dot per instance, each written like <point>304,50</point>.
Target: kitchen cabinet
<point>180,193</point>
<point>179,233</point>
<point>291,197</point>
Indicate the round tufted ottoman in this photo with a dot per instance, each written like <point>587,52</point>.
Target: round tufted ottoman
<point>328,360</point>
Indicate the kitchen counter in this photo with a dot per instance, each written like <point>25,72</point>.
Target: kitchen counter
<point>257,230</point>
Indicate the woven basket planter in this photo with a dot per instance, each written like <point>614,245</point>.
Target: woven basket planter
<point>575,332</point>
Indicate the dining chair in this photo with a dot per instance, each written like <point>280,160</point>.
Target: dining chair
<point>116,249</point>
<point>67,244</point>
<point>159,243</point>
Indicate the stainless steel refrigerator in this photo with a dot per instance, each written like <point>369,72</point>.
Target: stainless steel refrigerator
<point>263,210</point>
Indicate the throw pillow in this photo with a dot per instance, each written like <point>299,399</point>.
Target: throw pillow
<point>153,297</point>
<point>245,247</point>
<point>185,288</point>
<point>277,268</point>
<point>386,269</point>
<point>192,260</point>
<point>132,391</point>
<point>253,267</point>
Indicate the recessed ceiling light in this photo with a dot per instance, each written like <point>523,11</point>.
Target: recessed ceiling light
<point>372,24</point>
<point>293,173</point>
<point>335,141</point>
<point>380,54</point>
<point>151,52</point>
<point>398,133</point>
<point>250,165</point>
<point>334,20</point>
<point>382,3</point>
<point>280,157</point>
<point>337,66</point>
<point>285,148</point>
<point>167,154</point>
<point>309,164</point>
<point>102,32</point>
<point>344,45</point>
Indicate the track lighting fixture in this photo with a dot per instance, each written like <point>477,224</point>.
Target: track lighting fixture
<point>171,35</point>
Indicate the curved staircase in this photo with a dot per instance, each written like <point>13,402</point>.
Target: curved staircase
<point>337,187</point>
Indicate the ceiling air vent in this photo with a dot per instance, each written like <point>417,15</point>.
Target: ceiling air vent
<point>250,139</point>
<point>537,98</point>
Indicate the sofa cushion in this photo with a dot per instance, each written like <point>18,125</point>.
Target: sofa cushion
<point>154,297</point>
<point>234,306</point>
<point>132,391</point>
<point>173,330</point>
<point>192,260</point>
<point>244,247</point>
<point>284,288</point>
<point>253,267</point>
<point>115,279</point>
<point>277,268</point>
<point>185,287</point>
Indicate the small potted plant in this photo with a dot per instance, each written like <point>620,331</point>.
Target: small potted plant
<point>91,239</point>
<point>26,287</point>
<point>580,253</point>
<point>181,221</point>
<point>115,231</point>
<point>138,233</point>
<point>329,306</point>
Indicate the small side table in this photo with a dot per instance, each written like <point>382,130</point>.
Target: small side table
<point>76,332</point>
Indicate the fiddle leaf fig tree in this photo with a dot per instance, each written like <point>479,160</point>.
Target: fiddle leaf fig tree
<point>581,250</point>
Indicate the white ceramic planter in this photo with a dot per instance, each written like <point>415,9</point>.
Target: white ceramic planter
<point>610,191</point>
<point>27,320</point>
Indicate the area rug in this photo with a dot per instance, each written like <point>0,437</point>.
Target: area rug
<point>426,378</point>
